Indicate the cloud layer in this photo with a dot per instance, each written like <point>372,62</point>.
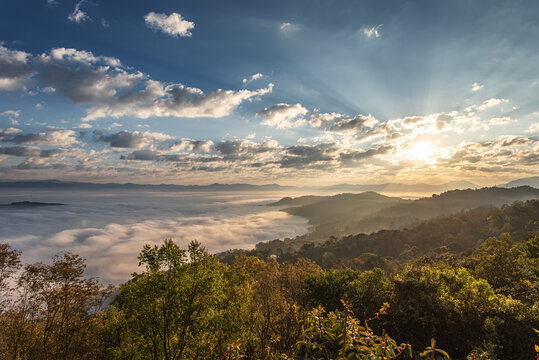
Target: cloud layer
<point>109,230</point>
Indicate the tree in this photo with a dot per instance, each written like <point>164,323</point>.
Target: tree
<point>175,309</point>
<point>57,314</point>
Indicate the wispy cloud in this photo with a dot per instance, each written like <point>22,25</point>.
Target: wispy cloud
<point>78,15</point>
<point>487,104</point>
<point>372,31</point>
<point>252,78</point>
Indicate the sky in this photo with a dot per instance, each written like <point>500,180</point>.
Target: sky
<point>293,92</point>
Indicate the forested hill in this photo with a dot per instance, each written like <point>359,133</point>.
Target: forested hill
<point>451,233</point>
<point>348,214</point>
<point>328,209</point>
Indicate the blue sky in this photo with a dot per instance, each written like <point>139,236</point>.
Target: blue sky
<point>315,92</point>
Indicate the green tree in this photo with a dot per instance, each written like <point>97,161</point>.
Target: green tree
<point>176,309</point>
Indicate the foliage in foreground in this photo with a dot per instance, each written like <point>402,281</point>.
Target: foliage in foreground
<point>186,304</point>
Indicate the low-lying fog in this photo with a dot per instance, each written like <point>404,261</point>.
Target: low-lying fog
<point>110,228</point>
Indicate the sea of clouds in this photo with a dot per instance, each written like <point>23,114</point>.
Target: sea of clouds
<point>110,228</point>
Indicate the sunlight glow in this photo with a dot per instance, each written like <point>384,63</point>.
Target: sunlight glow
<point>421,151</point>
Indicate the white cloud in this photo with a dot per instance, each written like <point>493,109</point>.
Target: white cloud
<point>112,89</point>
<point>132,140</point>
<point>172,24</point>
<point>5,133</point>
<point>52,137</point>
<point>372,31</point>
<point>83,126</point>
<point>11,113</point>
<point>476,87</point>
<point>201,146</point>
<point>486,104</point>
<point>253,78</point>
<point>288,28</point>
<point>500,120</point>
<point>15,72</point>
<point>320,120</point>
<point>282,115</point>
<point>39,106</point>
<point>49,90</point>
<point>111,250</point>
<point>355,125</point>
<point>78,16</point>
<point>176,100</point>
<point>534,128</point>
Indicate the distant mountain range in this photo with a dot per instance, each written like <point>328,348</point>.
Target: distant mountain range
<point>347,214</point>
<point>530,181</point>
<point>26,204</point>
<point>402,188</point>
<point>72,185</point>
<point>339,188</point>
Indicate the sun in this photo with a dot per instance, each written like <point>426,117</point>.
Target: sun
<point>421,151</point>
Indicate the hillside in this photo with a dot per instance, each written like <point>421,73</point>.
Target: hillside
<point>451,233</point>
<point>348,214</point>
<point>328,209</point>
<point>530,181</point>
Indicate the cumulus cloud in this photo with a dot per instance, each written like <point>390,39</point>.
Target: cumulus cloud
<point>308,156</point>
<point>113,90</point>
<point>372,31</point>
<point>143,155</point>
<point>83,126</point>
<point>201,146</point>
<point>235,147</point>
<point>28,151</point>
<point>15,72</point>
<point>533,128</point>
<point>5,133</point>
<point>283,115</point>
<point>357,124</point>
<point>514,141</point>
<point>176,100</point>
<point>78,16</point>
<point>173,24</point>
<point>350,158</point>
<point>319,120</point>
<point>12,115</point>
<point>476,87</point>
<point>51,137</point>
<point>131,140</point>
